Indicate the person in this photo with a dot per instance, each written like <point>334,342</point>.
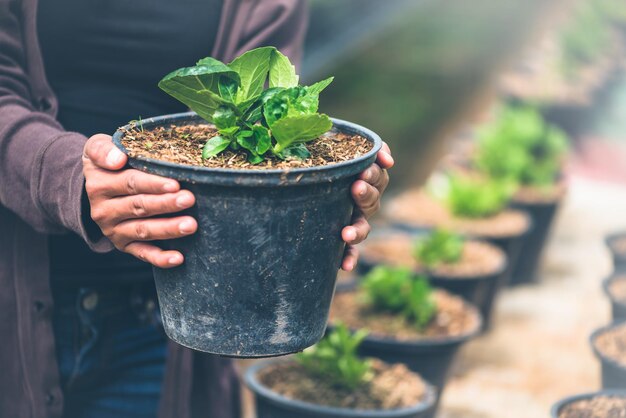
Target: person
<point>79,318</point>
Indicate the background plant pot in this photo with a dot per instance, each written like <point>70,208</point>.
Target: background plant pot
<point>270,404</point>
<point>558,407</point>
<point>618,308</point>
<point>542,216</point>
<point>619,257</point>
<point>613,373</point>
<point>259,274</point>
<point>430,358</point>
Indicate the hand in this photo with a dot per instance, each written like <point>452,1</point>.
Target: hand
<point>124,203</point>
<point>366,192</point>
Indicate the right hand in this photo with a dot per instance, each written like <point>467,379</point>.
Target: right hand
<point>124,203</point>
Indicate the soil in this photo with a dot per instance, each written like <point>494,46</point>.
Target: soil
<point>612,344</point>
<point>617,288</point>
<point>538,195</point>
<point>416,207</point>
<point>453,318</point>
<point>391,387</point>
<point>478,258</point>
<point>597,407</point>
<point>182,144</point>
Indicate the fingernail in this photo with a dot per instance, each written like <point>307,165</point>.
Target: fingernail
<point>115,157</point>
<point>175,259</point>
<point>351,234</point>
<point>186,226</point>
<point>183,201</point>
<point>391,160</point>
<point>349,266</point>
<point>170,186</point>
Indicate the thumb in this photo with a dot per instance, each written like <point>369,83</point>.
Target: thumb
<point>101,151</point>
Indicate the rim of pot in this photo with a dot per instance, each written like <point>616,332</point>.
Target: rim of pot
<point>598,353</point>
<point>610,239</point>
<point>606,285</point>
<point>390,230</point>
<point>427,342</point>
<point>415,228</point>
<point>258,177</point>
<point>556,408</point>
<point>250,378</point>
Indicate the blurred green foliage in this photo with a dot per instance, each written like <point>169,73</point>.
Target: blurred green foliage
<point>521,147</point>
<point>399,291</point>
<point>335,358</point>
<point>477,197</point>
<point>439,247</point>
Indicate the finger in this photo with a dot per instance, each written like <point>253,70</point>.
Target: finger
<point>357,232</point>
<point>350,258</point>
<point>132,182</point>
<point>142,206</point>
<point>366,197</point>
<point>384,158</point>
<point>376,176</point>
<point>152,229</point>
<point>101,151</point>
<point>154,255</point>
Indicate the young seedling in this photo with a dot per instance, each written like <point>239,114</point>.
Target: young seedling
<point>398,290</point>
<point>278,120</point>
<point>519,146</point>
<point>470,197</point>
<point>335,358</point>
<point>440,247</point>
<point>137,122</point>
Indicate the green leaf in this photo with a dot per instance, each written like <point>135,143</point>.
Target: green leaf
<point>294,129</point>
<point>263,139</point>
<point>214,146</point>
<point>224,118</point>
<point>282,72</point>
<point>296,151</point>
<point>317,88</point>
<point>253,68</point>
<point>230,131</point>
<point>228,89</point>
<point>440,247</point>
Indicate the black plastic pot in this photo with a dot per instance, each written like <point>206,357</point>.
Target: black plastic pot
<point>618,307</point>
<point>270,404</point>
<point>259,274</point>
<point>531,247</point>
<point>613,373</point>
<point>619,258</point>
<point>558,407</point>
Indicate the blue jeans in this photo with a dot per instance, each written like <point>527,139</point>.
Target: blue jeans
<point>110,349</point>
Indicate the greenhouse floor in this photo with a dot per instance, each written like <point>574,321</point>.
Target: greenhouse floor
<point>538,351</point>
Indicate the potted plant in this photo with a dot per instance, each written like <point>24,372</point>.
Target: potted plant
<point>603,404</point>
<point>616,243</point>
<point>408,321</point>
<point>521,147</point>
<point>609,346</point>
<point>329,380</point>
<point>473,205</point>
<point>615,288</point>
<point>469,268</point>
<point>271,178</point>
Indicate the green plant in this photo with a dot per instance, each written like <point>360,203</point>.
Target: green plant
<point>521,147</point>
<point>277,120</point>
<point>335,358</point>
<point>398,290</point>
<point>137,122</point>
<point>470,197</point>
<point>440,247</point>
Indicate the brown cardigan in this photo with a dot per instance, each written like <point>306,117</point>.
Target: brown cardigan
<point>41,187</point>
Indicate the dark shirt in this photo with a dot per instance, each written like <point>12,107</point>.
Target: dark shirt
<point>103,59</point>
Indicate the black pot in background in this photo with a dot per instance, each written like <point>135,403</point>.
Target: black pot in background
<point>618,308</point>
<point>558,407</point>
<point>430,358</point>
<point>613,373</point>
<point>542,215</point>
<point>259,274</point>
<point>270,404</point>
<point>619,258</point>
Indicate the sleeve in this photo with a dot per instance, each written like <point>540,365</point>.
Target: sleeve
<point>41,177</point>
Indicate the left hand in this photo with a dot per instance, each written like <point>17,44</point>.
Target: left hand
<point>366,192</point>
